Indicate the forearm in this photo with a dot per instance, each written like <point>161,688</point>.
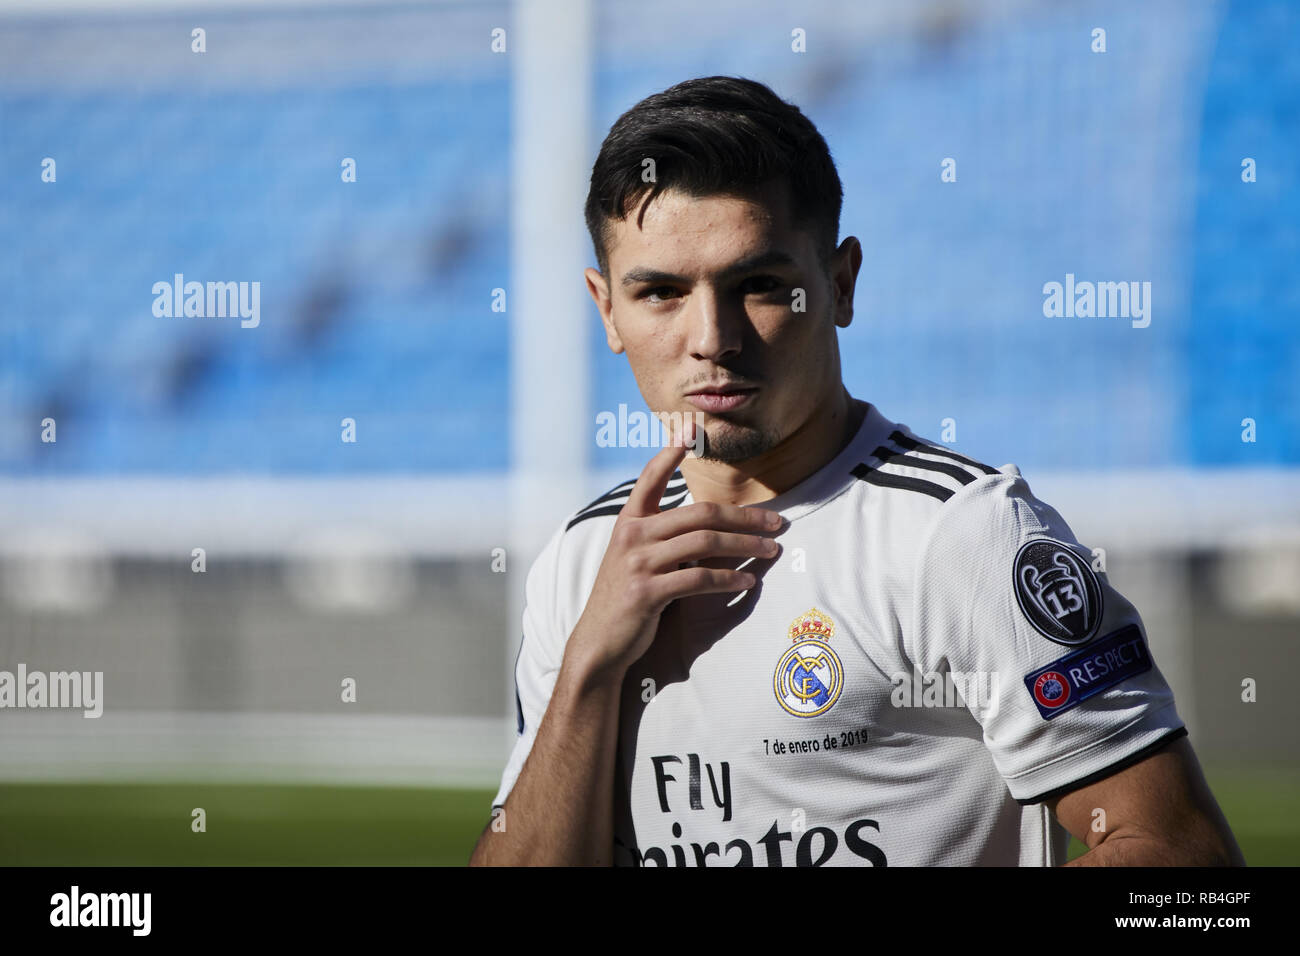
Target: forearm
<point>1138,849</point>
<point>1119,850</point>
<point>560,811</point>
<point>1161,813</point>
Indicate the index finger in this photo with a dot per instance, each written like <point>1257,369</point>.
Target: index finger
<point>650,486</point>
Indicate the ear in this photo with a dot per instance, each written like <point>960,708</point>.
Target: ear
<point>598,287</point>
<point>844,266</point>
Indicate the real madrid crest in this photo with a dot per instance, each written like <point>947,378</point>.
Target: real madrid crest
<point>809,676</point>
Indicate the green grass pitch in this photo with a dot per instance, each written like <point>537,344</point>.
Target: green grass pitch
<point>270,825</point>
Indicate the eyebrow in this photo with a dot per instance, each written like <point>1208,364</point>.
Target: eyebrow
<point>761,260</point>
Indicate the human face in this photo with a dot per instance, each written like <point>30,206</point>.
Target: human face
<point>725,294</point>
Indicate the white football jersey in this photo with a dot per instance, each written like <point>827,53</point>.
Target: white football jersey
<point>929,657</point>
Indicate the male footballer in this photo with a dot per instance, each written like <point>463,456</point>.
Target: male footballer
<point>817,639</point>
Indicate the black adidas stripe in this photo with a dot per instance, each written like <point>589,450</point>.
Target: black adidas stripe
<point>672,489</point>
<point>911,461</point>
<point>911,444</point>
<point>625,489</point>
<point>884,480</point>
<point>671,499</point>
<point>665,504</point>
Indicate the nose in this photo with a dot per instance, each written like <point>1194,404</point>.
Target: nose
<point>715,329</point>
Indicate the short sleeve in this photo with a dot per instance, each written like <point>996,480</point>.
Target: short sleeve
<point>1051,660</point>
<point>541,650</point>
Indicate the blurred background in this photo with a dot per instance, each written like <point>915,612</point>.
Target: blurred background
<point>371,468</point>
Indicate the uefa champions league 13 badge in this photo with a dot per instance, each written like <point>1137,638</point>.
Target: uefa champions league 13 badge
<point>1057,591</point>
<point>809,676</point>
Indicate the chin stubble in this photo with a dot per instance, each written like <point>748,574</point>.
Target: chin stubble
<point>735,444</point>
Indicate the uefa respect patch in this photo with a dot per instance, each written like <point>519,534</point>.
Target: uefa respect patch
<point>1075,677</point>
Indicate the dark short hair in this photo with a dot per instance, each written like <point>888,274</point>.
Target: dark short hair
<point>711,136</point>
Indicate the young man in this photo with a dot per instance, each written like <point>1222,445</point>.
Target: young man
<point>824,641</point>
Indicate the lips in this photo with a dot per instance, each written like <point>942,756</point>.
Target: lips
<point>721,399</point>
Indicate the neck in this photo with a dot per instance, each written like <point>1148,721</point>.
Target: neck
<point>801,453</point>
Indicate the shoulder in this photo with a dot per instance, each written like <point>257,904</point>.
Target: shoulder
<point>905,462</point>
<point>919,485</point>
<point>993,532</point>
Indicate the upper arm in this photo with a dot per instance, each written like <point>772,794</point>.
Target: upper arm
<point>1005,592</point>
<point>1162,799</point>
